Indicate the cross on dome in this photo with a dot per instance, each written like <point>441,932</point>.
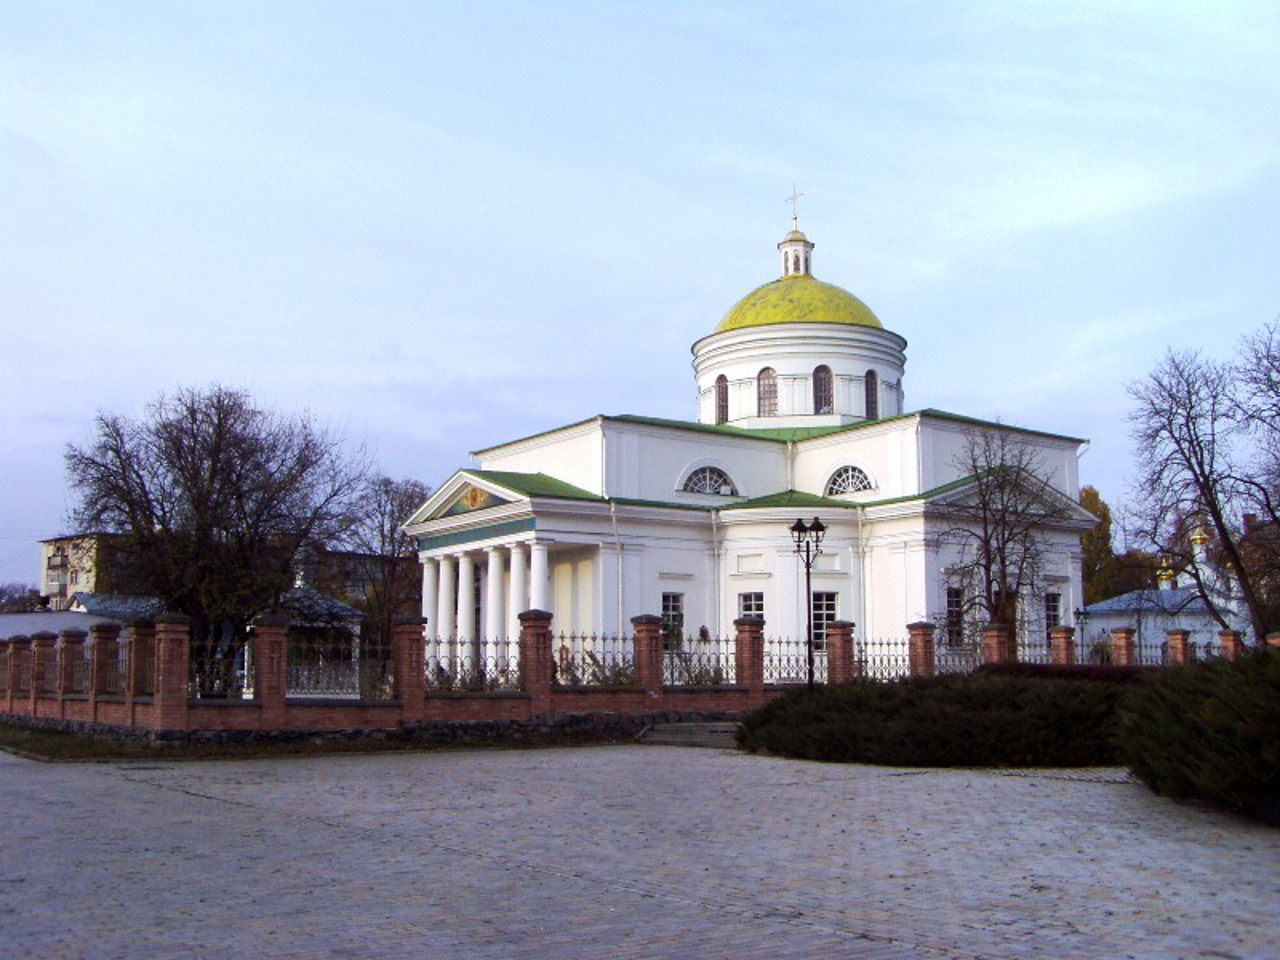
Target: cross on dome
<point>794,200</point>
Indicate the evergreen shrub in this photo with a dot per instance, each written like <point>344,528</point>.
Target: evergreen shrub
<point>980,720</point>
<point>1208,731</point>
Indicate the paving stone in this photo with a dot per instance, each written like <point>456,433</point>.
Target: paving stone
<point>631,852</point>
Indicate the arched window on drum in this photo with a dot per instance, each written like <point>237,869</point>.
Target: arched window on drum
<point>848,480</point>
<point>722,399</point>
<point>767,393</point>
<point>823,396</point>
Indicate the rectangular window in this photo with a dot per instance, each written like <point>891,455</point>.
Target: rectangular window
<point>751,604</point>
<point>824,611</point>
<point>1052,611</point>
<point>672,620</point>
<point>955,616</point>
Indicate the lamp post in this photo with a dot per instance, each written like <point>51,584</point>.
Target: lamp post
<point>808,538</point>
<point>1082,622</point>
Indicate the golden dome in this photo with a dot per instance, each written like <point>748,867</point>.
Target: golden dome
<point>798,299</point>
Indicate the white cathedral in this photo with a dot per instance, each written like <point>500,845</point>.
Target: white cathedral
<point>800,415</point>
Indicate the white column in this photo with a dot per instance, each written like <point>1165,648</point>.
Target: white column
<point>430,601</point>
<point>539,586</point>
<point>518,594</point>
<point>466,611</point>
<point>445,631</point>
<point>493,605</point>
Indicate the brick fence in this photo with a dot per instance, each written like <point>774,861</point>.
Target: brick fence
<point>139,678</point>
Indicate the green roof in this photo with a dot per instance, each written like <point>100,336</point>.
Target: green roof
<point>534,484</point>
<point>792,498</point>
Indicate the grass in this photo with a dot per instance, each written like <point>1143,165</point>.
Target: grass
<point>57,746</point>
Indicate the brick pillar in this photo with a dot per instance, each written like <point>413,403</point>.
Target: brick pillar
<point>920,658</point>
<point>1062,645</point>
<point>1273,639</point>
<point>408,638</point>
<point>6,671</point>
<point>999,644</point>
<point>104,655</point>
<point>748,656</point>
<point>271,668</point>
<point>646,631</point>
<point>18,645</point>
<point>1229,645</point>
<point>70,654</point>
<point>535,659</point>
<point>840,664</point>
<point>42,663</point>
<point>1178,645</point>
<point>173,655</point>
<point>1123,651</point>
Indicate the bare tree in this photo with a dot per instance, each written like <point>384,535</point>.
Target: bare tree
<point>19,598</point>
<point>1000,524</point>
<point>212,497</point>
<point>383,576</point>
<point>1207,438</point>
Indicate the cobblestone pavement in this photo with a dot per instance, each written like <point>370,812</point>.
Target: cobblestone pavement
<point>635,852</point>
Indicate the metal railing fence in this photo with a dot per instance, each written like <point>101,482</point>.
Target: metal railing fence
<point>701,661</point>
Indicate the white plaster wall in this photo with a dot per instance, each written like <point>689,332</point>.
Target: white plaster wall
<point>574,455</point>
<point>650,463</point>
<point>887,453</point>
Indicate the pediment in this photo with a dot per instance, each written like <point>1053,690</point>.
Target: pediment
<point>471,498</point>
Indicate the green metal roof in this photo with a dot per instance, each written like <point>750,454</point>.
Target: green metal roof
<point>792,498</point>
<point>534,485</point>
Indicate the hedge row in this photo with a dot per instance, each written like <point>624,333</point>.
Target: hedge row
<point>1209,731</point>
<point>985,719</point>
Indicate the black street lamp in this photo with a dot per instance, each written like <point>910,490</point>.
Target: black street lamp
<point>808,538</point>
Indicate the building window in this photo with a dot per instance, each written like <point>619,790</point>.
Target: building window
<point>955,616</point>
<point>672,620</point>
<point>767,393</point>
<point>1052,612</point>
<point>722,399</point>
<point>751,604</point>
<point>823,400</point>
<point>824,611</point>
<point>848,480</point>
<point>872,384</point>
<point>710,480</point>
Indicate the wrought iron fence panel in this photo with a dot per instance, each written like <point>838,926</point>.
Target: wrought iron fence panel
<point>323,664</point>
<point>1037,650</point>
<point>220,669</point>
<point>80,671</point>
<point>1152,653</point>
<point>1204,651</point>
<point>786,661</point>
<point>49,674</point>
<point>881,659</point>
<point>962,658</point>
<point>701,661</point>
<point>115,670</point>
<point>594,661</point>
<point>4,675</point>
<point>454,666</point>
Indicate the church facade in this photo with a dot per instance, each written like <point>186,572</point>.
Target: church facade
<point>800,414</point>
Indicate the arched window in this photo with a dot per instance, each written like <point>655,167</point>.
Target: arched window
<point>848,480</point>
<point>873,395</point>
<point>822,398</point>
<point>722,399</point>
<point>767,393</point>
<point>710,480</point>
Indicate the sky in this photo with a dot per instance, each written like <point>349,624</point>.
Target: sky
<point>436,227</point>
